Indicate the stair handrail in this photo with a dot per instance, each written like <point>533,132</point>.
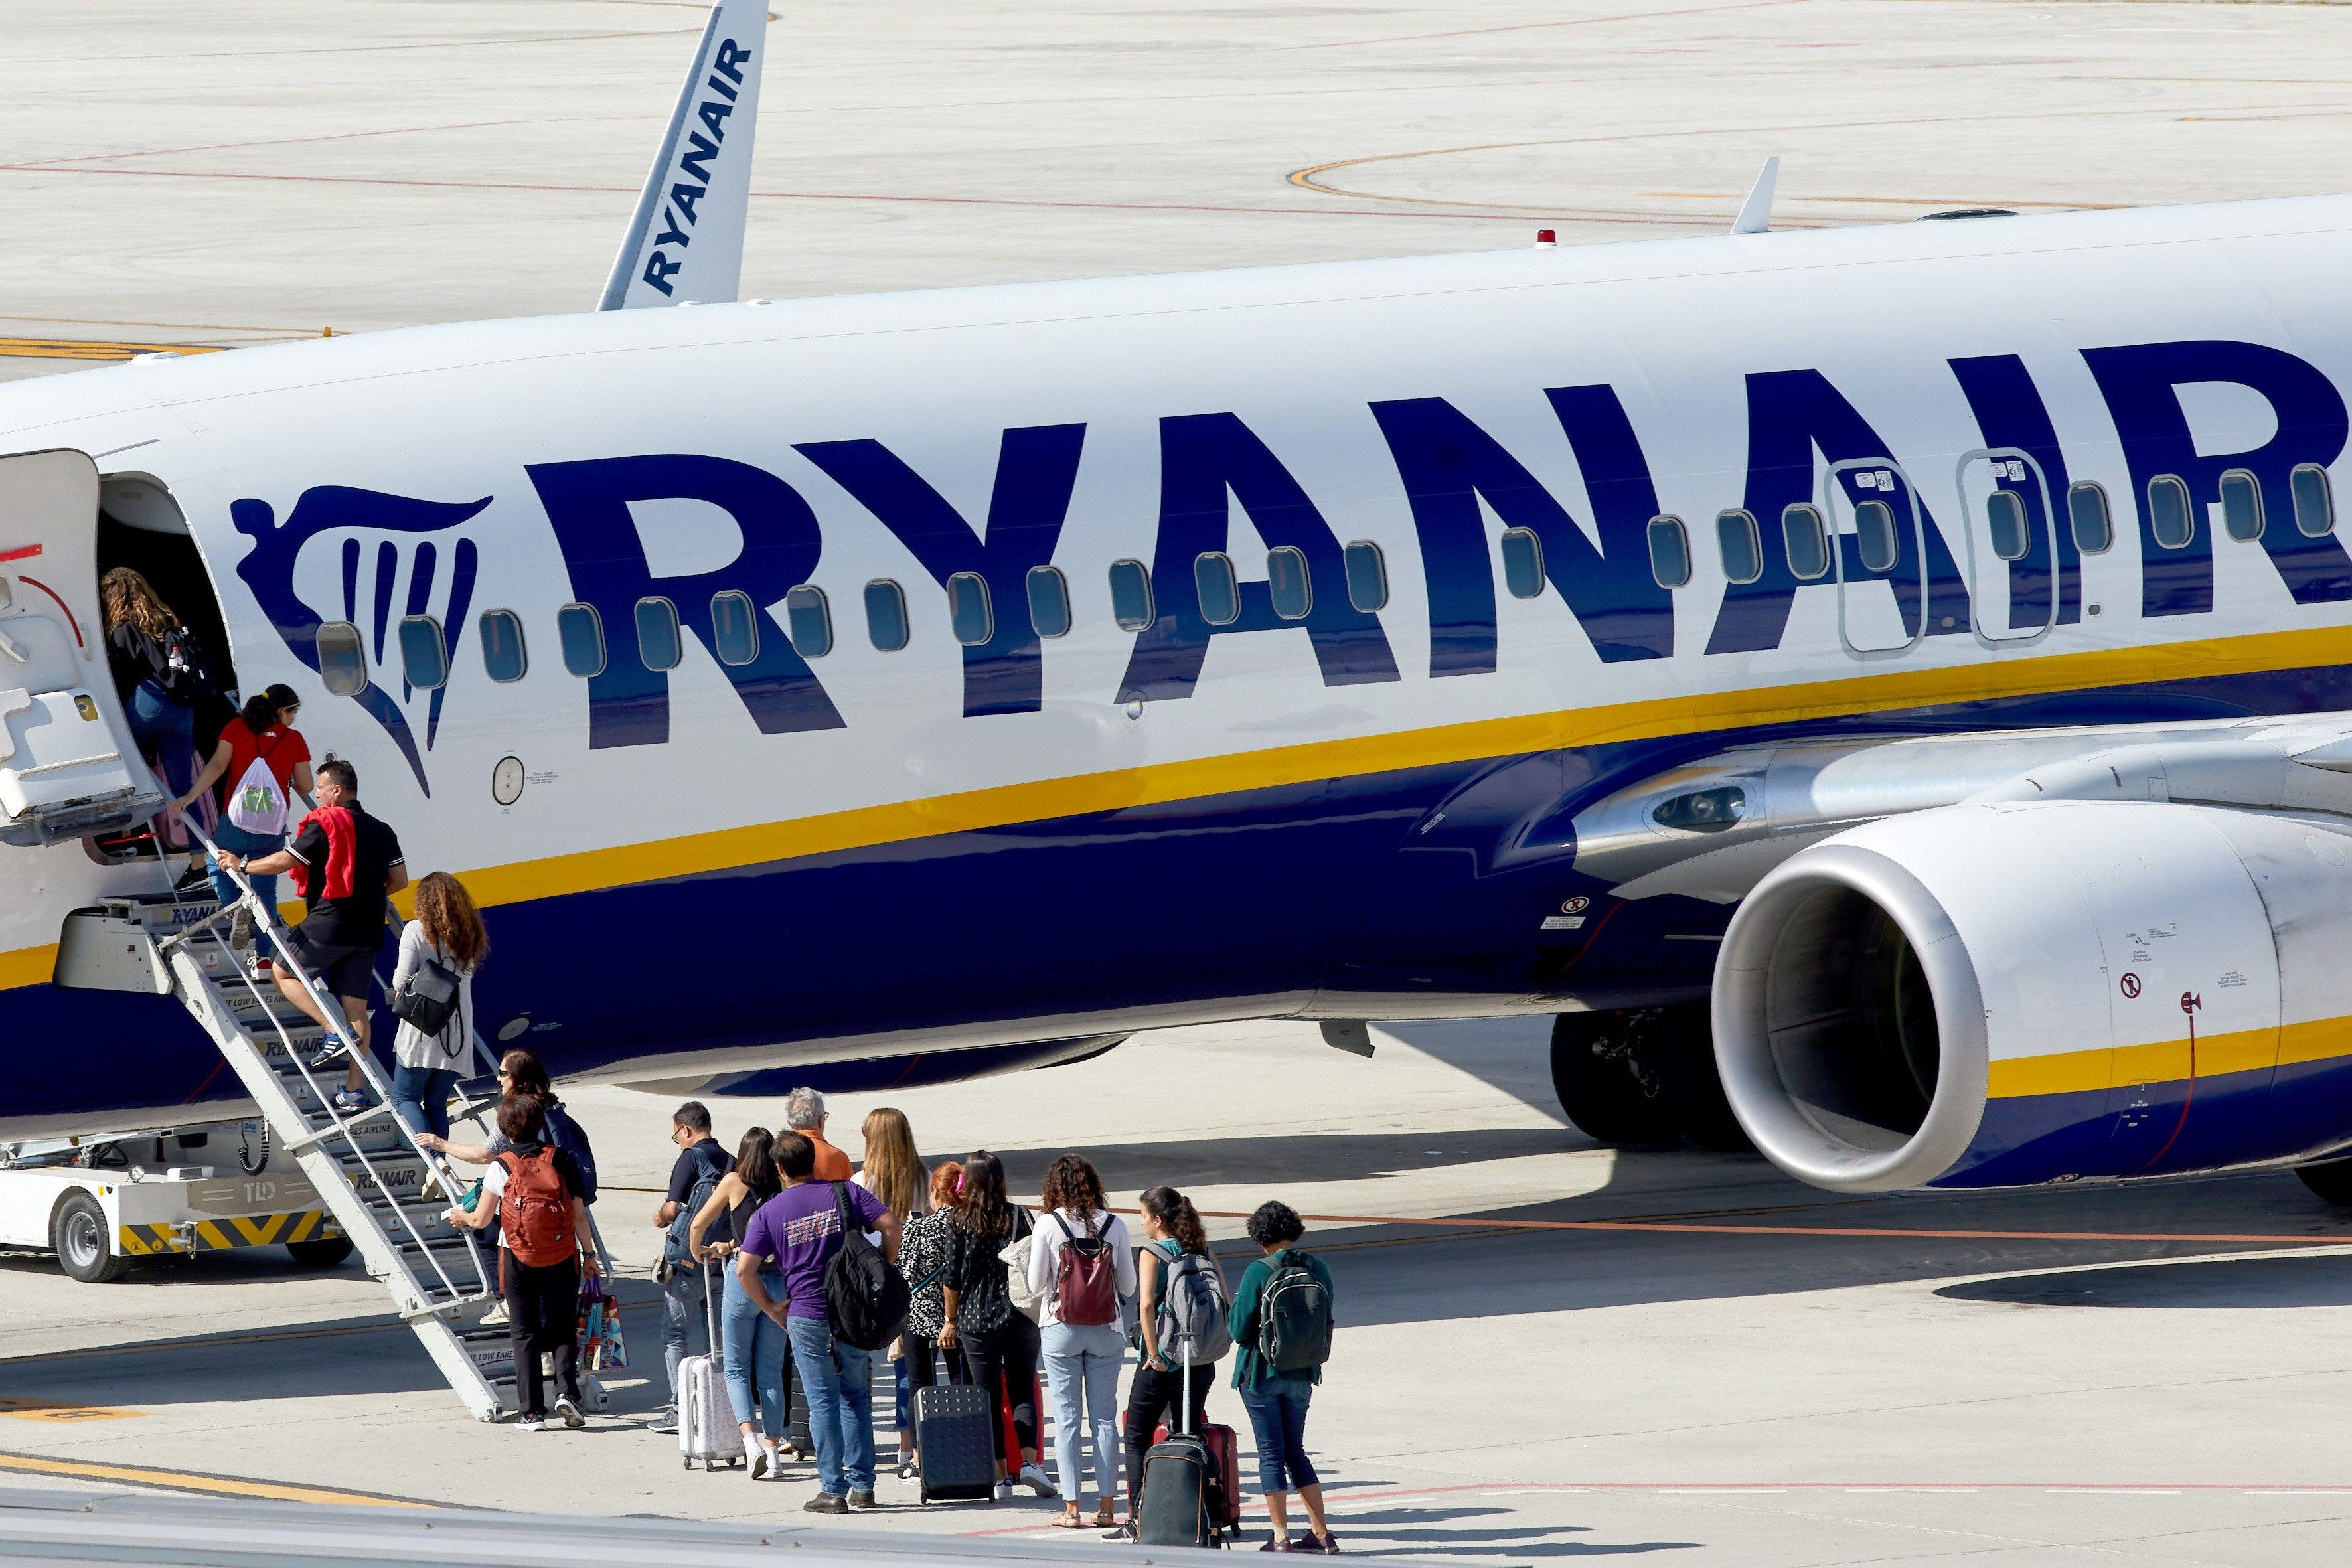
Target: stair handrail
<point>329,1008</point>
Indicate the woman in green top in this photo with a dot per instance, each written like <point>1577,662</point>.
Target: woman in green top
<point>1276,1399</point>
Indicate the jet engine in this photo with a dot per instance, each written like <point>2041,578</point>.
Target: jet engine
<point>2013,993</point>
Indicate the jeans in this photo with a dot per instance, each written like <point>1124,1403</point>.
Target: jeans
<point>166,734</point>
<point>1082,1362</point>
<point>543,1318</point>
<point>686,1321</point>
<point>1151,1395</point>
<point>839,1380</point>
<point>1277,1413</point>
<point>238,841</point>
<point>754,1349</point>
<point>420,1097</point>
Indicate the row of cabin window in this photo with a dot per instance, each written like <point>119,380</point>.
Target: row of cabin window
<point>808,618</point>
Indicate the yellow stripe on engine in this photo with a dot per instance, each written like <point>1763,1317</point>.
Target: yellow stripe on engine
<point>2167,1061</point>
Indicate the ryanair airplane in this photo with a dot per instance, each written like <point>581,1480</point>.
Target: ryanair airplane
<point>1883,690</point>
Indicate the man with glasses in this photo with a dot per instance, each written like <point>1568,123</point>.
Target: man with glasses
<point>685,1296</point>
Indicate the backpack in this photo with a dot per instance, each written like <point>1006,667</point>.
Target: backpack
<point>1086,1276</point>
<point>678,1243</point>
<point>534,1211</point>
<point>865,1298</point>
<point>1294,1315</point>
<point>185,677</point>
<point>429,998</point>
<point>1189,1324</point>
<point>258,804</point>
<point>566,1135</point>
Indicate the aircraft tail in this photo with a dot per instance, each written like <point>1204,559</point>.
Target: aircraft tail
<point>685,241</point>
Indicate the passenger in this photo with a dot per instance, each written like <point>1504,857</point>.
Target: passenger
<point>894,1173</point>
<point>1171,1230</point>
<point>351,865</point>
<point>1074,1279</point>
<point>520,1071</point>
<point>753,1347</point>
<point>999,1345</point>
<point>534,1192</point>
<point>924,1253</point>
<point>798,1232</point>
<point>1277,1399</point>
<point>448,930</point>
<point>159,674</point>
<point>685,1329</point>
<point>259,804</point>
<point>804,1114</point>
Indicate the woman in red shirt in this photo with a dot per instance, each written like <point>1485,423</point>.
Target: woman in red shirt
<point>258,806</point>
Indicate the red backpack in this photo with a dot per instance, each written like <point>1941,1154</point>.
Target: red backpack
<point>1086,1276</point>
<point>535,1211</point>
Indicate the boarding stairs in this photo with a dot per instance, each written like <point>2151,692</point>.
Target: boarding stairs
<point>371,1174</point>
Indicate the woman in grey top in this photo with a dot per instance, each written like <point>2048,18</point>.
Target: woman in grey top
<point>448,930</point>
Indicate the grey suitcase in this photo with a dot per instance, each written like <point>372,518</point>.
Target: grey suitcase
<point>955,1441</point>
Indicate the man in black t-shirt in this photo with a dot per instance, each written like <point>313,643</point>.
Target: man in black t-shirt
<point>684,1305</point>
<point>348,864</point>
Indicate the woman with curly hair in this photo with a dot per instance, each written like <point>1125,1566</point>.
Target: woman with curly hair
<point>448,932</point>
<point>1081,1268</point>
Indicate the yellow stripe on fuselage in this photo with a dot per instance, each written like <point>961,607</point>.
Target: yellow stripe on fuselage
<point>1045,799</point>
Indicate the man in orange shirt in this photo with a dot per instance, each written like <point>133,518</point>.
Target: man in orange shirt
<point>804,1114</point>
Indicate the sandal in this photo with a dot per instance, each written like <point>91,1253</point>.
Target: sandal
<point>1069,1521</point>
<point>1105,1519</point>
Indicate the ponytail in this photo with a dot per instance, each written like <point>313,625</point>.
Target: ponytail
<point>259,712</point>
<point>1177,1215</point>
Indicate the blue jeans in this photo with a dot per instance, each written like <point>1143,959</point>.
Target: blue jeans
<point>420,1097</point>
<point>686,1321</point>
<point>238,841</point>
<point>166,734</point>
<point>839,1379</point>
<point>1277,1413</point>
<point>754,1353</point>
<point>1082,1361</point>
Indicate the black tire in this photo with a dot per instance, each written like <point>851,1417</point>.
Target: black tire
<point>323,1253</point>
<point>2331,1179</point>
<point>1603,1070</point>
<point>1694,1088</point>
<point>84,1241</point>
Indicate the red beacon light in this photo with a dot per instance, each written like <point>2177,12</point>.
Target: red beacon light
<point>1546,238</point>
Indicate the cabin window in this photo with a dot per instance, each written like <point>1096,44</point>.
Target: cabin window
<point>1220,590</point>
<point>1670,556</point>
<point>581,630</point>
<point>1368,577</point>
<point>887,627</point>
<point>1049,601</point>
<point>503,655</point>
<point>1288,583</point>
<point>1807,538</point>
<point>2241,504</point>
<point>2086,514</point>
<point>809,619</point>
<point>424,653</point>
<point>969,615</point>
<point>659,647</point>
<point>342,659</point>
<point>1523,572</point>
<point>1876,538</point>
<point>2168,517</point>
<point>1741,544</point>
<point>734,627</point>
<point>2005,522</point>
<point>2315,504</point>
<point>1131,594</point>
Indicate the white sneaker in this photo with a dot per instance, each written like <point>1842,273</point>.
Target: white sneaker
<point>571,1414</point>
<point>496,1317</point>
<point>1034,1478</point>
<point>758,1459</point>
<point>531,1424</point>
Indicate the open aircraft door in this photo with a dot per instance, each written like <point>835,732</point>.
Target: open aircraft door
<point>67,768</point>
<point>2012,546</point>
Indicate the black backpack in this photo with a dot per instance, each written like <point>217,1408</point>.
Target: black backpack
<point>185,675</point>
<point>1294,1315</point>
<point>867,1299</point>
<point>566,1135</point>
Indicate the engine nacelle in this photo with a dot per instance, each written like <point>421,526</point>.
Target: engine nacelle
<point>2009,994</point>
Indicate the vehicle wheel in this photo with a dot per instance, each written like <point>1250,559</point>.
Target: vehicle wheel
<point>80,1234</point>
<point>323,1253</point>
<point>1604,1070</point>
<point>2331,1179</point>
<point>1694,1088</point>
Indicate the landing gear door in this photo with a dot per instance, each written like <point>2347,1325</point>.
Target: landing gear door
<point>2012,547</point>
<point>67,768</point>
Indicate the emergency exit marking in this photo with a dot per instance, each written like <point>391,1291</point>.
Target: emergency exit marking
<point>24,1409</point>
<point>2131,984</point>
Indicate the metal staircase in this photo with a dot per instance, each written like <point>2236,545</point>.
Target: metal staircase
<point>371,1174</point>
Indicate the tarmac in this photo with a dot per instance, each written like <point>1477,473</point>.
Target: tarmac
<point>1547,1349</point>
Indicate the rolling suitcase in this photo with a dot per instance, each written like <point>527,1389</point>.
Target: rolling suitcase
<point>706,1420</point>
<point>956,1449</point>
<point>1191,1492</point>
<point>1224,1473</point>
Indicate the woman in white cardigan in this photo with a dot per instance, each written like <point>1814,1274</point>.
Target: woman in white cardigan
<point>1081,1342</point>
<point>448,930</point>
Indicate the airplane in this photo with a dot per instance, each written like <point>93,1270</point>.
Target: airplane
<point>1882,691</point>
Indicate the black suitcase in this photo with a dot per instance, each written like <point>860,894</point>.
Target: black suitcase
<point>955,1442</point>
<point>1183,1503</point>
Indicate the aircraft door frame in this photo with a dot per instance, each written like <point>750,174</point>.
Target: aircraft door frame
<point>1840,507</point>
<point>1981,576</point>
